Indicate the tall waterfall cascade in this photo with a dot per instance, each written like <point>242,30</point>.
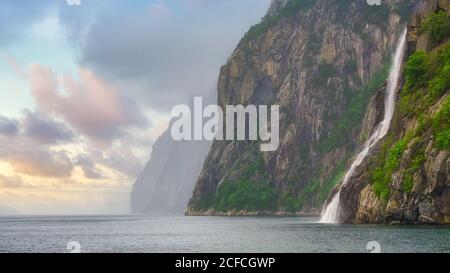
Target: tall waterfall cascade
<point>332,211</point>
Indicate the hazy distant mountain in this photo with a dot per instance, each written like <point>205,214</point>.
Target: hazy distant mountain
<point>167,182</point>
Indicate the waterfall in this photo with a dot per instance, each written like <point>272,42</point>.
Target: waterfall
<point>331,212</point>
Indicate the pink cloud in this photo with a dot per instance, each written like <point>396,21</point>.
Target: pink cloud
<point>41,163</point>
<point>89,104</point>
<point>66,108</point>
<point>14,65</point>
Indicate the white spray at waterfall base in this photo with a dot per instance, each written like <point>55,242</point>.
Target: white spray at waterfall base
<point>331,212</point>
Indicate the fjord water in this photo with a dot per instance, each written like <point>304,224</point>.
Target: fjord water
<point>332,210</point>
<point>151,233</point>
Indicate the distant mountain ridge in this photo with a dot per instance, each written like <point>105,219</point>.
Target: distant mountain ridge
<point>167,181</point>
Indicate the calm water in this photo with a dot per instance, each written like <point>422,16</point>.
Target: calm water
<point>209,234</point>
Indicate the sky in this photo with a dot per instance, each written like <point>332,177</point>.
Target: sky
<point>86,90</point>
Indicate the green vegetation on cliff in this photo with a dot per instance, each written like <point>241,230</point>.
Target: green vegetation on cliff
<point>316,192</point>
<point>438,26</point>
<point>329,184</point>
<point>291,8</point>
<point>427,80</point>
<point>441,126</point>
<point>370,14</point>
<point>415,165</point>
<point>251,192</point>
<point>389,161</point>
<point>245,195</point>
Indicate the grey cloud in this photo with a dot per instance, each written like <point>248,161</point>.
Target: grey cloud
<point>26,154</point>
<point>24,145</point>
<point>119,159</point>
<point>165,61</point>
<point>89,167</point>
<point>36,126</point>
<point>8,126</point>
<point>16,16</point>
<point>45,130</point>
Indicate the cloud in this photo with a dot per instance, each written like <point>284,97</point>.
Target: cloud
<point>40,162</point>
<point>90,105</point>
<point>167,60</point>
<point>37,127</point>
<point>45,130</point>
<point>35,150</point>
<point>25,146</point>
<point>16,16</point>
<point>120,159</point>
<point>14,65</point>
<point>160,53</point>
<point>12,182</point>
<point>8,126</point>
<point>89,167</point>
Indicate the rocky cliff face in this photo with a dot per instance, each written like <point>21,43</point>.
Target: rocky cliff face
<point>406,180</point>
<point>323,62</point>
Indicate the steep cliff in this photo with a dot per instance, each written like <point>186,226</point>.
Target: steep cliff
<point>167,182</point>
<point>406,179</point>
<point>323,62</point>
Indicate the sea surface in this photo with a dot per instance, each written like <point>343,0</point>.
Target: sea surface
<point>152,233</point>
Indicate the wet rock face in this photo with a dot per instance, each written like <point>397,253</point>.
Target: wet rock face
<point>312,62</point>
<point>374,114</point>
